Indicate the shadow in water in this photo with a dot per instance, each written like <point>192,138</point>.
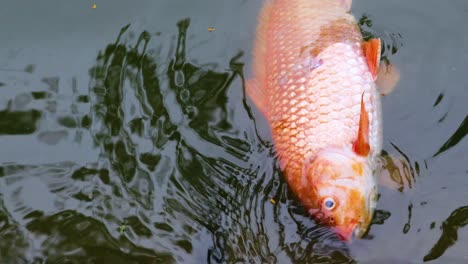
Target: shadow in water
<point>456,137</point>
<point>18,122</point>
<point>456,220</point>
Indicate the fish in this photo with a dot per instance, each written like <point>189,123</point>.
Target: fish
<point>314,80</point>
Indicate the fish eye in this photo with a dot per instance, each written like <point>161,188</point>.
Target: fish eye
<point>329,203</point>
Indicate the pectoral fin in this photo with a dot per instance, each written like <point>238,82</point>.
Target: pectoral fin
<point>371,49</point>
<point>361,145</point>
<point>387,78</point>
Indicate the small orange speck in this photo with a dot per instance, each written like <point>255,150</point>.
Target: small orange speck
<point>210,29</point>
<point>94,6</point>
<point>357,168</point>
<point>272,201</point>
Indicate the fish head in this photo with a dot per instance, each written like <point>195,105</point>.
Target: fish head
<point>344,191</point>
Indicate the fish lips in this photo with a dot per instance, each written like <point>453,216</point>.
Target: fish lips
<point>349,231</point>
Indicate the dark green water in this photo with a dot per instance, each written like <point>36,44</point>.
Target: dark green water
<point>126,138</point>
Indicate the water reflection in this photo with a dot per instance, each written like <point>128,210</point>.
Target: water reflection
<point>397,171</point>
<point>176,168</point>
<point>182,176</point>
<point>18,122</point>
<point>456,137</point>
<point>456,220</point>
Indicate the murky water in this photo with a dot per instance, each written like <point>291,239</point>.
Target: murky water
<point>126,137</point>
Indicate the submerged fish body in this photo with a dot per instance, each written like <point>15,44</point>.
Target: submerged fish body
<point>314,81</point>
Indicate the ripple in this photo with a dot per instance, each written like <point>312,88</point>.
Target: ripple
<point>181,175</point>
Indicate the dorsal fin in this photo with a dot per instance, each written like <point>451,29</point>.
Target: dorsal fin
<point>361,145</point>
<point>371,49</point>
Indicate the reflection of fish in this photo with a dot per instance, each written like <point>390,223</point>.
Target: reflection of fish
<point>314,80</point>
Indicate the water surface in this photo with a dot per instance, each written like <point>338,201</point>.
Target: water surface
<point>126,137</point>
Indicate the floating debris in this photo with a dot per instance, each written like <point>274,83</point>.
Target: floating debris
<point>123,228</point>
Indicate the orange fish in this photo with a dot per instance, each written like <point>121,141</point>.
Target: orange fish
<point>314,81</point>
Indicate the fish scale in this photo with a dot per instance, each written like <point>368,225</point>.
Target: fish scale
<point>323,105</point>
<point>310,76</point>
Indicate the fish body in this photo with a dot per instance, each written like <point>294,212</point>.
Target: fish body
<point>314,81</point>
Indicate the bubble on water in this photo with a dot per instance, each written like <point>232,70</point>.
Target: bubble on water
<point>191,111</point>
<point>184,95</point>
<point>179,78</point>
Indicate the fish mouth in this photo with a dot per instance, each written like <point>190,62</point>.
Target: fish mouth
<point>346,232</point>
<point>351,232</point>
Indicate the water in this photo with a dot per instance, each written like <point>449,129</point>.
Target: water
<point>126,138</point>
